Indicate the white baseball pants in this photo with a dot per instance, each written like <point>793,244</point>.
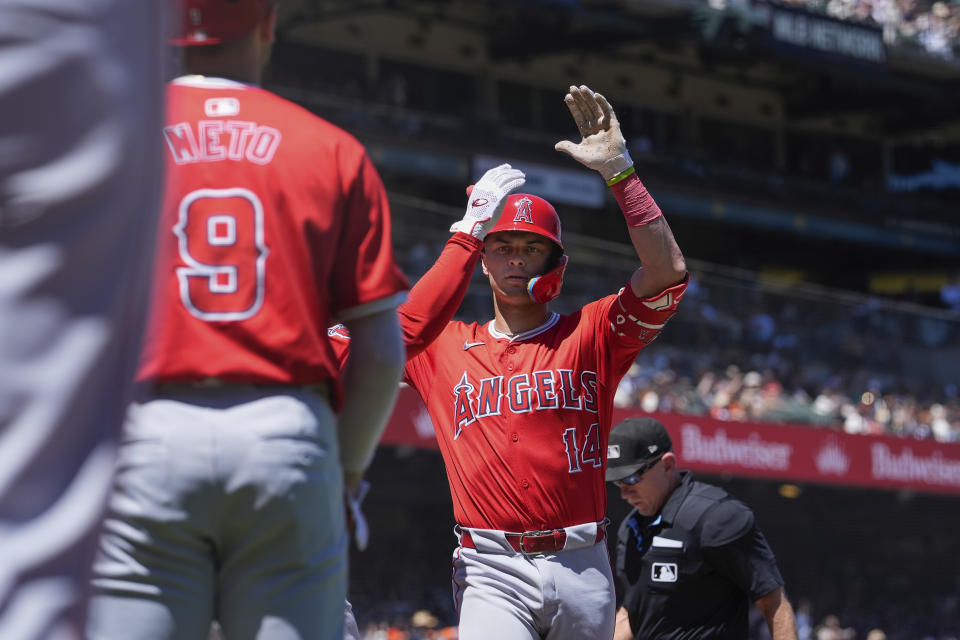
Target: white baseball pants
<point>568,595</point>
<point>228,505</point>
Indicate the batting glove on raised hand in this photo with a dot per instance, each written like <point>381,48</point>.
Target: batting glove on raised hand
<point>486,200</point>
<point>603,147</point>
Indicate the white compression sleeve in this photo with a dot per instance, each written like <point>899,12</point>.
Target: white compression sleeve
<point>371,382</point>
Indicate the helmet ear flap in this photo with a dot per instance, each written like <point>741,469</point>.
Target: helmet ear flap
<point>546,287</point>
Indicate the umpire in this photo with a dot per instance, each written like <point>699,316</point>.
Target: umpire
<point>690,557</point>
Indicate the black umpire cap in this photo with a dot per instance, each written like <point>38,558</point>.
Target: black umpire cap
<point>635,442</point>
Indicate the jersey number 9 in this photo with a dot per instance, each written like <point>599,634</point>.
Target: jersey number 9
<point>221,241</point>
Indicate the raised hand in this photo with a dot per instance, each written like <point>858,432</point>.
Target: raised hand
<point>603,147</point>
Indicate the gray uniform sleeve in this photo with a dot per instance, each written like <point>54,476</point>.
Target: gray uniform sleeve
<point>81,92</point>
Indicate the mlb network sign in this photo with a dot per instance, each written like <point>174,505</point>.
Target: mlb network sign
<point>825,35</point>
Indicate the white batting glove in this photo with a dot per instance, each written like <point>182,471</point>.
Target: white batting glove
<point>358,522</point>
<point>603,147</point>
<point>485,203</point>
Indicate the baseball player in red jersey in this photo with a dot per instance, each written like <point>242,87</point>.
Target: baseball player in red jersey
<point>433,301</point>
<point>229,496</point>
<point>522,406</point>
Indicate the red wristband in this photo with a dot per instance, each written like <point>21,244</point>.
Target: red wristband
<point>635,201</point>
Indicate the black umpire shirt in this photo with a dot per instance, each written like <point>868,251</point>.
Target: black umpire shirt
<point>693,571</point>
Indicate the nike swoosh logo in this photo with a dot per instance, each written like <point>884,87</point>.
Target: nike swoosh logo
<point>469,345</point>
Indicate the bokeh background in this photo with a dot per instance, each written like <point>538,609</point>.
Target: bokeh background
<point>807,156</point>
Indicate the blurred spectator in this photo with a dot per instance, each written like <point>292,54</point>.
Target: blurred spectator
<point>950,294</point>
<point>830,629</point>
<point>424,626</point>
<point>839,166</point>
<point>804,620</point>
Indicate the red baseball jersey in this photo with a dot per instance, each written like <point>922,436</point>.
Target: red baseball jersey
<point>275,225</point>
<point>432,301</point>
<point>523,422</point>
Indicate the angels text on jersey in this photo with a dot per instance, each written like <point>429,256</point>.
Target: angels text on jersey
<point>529,393</point>
<point>522,393</point>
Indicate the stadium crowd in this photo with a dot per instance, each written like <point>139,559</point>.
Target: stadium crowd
<point>931,26</point>
<point>685,383</point>
<point>739,354</point>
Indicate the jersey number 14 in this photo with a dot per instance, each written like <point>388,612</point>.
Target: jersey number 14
<point>588,454</point>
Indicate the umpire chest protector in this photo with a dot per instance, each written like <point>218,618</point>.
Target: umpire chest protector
<point>682,573</point>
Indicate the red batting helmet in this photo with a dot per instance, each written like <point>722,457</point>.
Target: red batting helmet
<point>526,212</point>
<point>203,22</point>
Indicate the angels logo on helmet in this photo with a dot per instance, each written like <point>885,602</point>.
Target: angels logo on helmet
<point>523,211</point>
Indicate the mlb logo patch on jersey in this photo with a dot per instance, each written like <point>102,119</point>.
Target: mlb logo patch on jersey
<point>663,572</point>
<point>219,107</point>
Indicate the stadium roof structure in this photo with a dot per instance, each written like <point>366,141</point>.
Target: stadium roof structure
<point>747,60</point>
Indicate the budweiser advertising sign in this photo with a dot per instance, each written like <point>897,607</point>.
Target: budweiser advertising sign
<point>773,451</point>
